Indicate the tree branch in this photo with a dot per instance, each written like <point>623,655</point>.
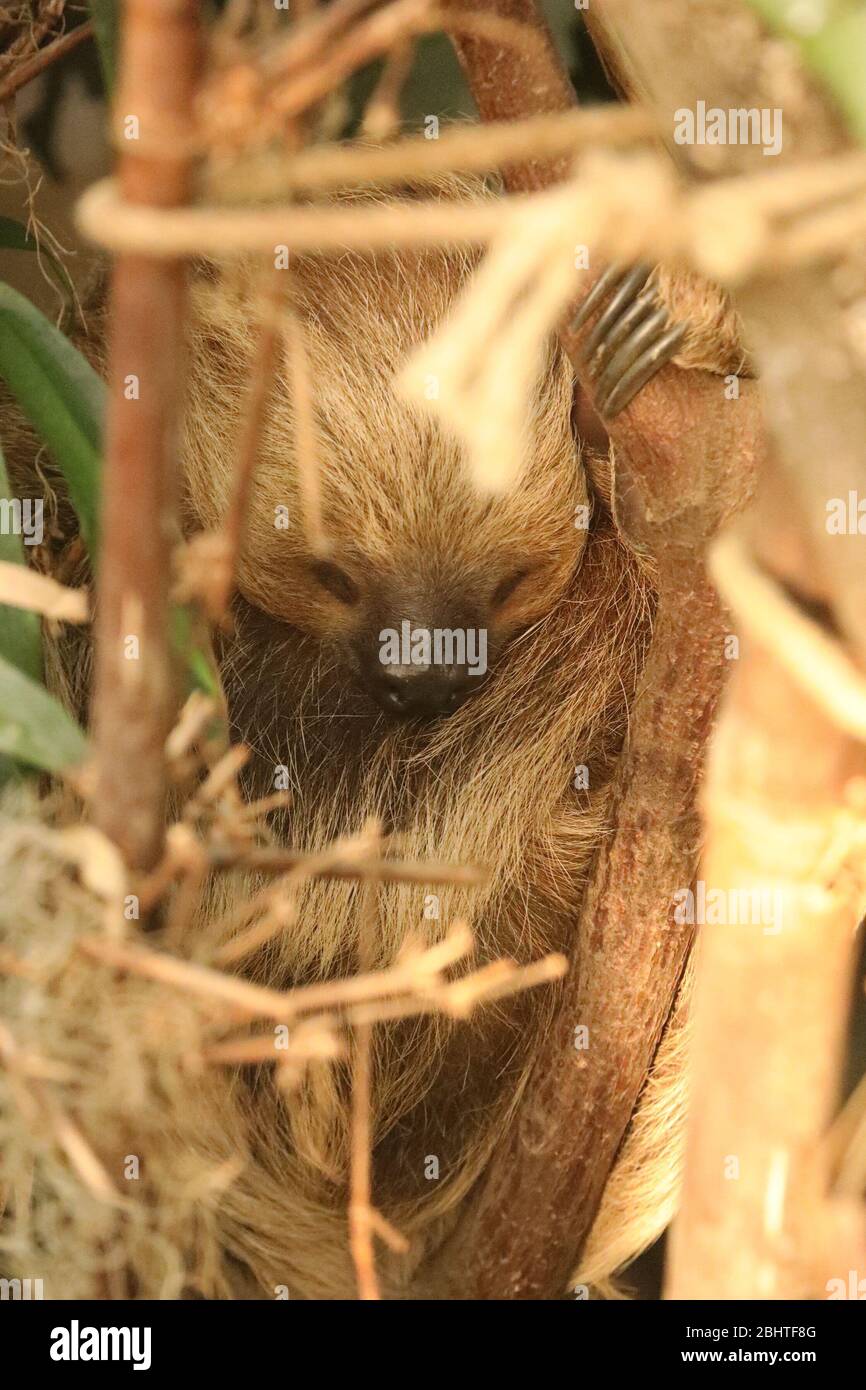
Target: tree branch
<point>134,697</point>
<point>784,792</point>
<point>757,1220</point>
<point>539,1197</point>
<point>52,53</point>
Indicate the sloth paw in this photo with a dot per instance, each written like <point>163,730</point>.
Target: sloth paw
<point>632,339</point>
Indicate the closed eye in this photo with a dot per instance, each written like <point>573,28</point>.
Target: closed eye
<point>335,580</point>
<point>505,588</point>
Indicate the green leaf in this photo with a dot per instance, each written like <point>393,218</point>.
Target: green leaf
<point>838,55</point>
<point>14,236</point>
<point>20,630</point>
<point>65,399</point>
<point>831,38</point>
<point>191,641</point>
<point>34,727</point>
<point>106,25</point>
<point>61,395</point>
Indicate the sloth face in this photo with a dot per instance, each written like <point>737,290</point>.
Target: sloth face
<point>422,583</point>
<point>422,638</point>
<point>423,599</point>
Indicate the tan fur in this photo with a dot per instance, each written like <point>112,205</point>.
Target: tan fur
<point>642,1193</point>
<point>714,340</point>
<point>492,784</point>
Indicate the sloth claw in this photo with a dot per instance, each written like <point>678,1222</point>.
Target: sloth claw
<point>632,339</point>
<point>623,299</point>
<point>642,368</point>
<point>606,375</point>
<point>605,282</point>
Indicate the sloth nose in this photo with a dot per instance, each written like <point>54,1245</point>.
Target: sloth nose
<point>423,691</point>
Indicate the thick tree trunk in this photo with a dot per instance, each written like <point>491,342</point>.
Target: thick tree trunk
<point>536,1204</point>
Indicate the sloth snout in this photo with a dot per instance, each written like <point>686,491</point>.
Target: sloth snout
<point>423,672</point>
<point>409,691</point>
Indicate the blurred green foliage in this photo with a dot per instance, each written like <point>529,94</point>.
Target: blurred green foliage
<point>831,38</point>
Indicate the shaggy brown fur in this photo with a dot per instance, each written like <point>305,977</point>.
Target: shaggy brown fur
<point>492,784</point>
<point>715,334</point>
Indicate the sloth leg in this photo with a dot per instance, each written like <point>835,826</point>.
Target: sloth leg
<point>632,339</point>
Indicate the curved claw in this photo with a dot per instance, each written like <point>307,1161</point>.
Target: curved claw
<point>623,298</point>
<point>622,330</point>
<point>630,341</point>
<point>643,369</point>
<point>605,282</point>
<point>633,345</point>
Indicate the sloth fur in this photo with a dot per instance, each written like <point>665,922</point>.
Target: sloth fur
<point>492,784</point>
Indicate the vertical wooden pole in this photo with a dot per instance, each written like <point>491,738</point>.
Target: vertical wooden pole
<point>773,996</point>
<point>134,697</point>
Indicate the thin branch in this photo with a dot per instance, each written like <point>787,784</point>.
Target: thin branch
<point>361,1129</point>
<point>378,34</point>
<point>279,861</point>
<point>43,59</point>
<point>634,205</point>
<point>800,645</point>
<point>258,389</point>
<point>134,697</point>
<point>382,112</point>
<point>258,1000</point>
<point>26,588</point>
<point>460,149</point>
<point>300,383</point>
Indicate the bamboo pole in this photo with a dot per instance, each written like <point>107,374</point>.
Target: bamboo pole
<point>134,699</point>
<point>773,996</point>
<point>784,797</point>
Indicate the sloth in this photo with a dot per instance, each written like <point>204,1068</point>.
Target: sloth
<point>503,762</point>
<point>454,764</point>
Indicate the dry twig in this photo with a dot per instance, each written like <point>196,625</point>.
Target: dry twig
<point>43,58</point>
<point>26,588</point>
